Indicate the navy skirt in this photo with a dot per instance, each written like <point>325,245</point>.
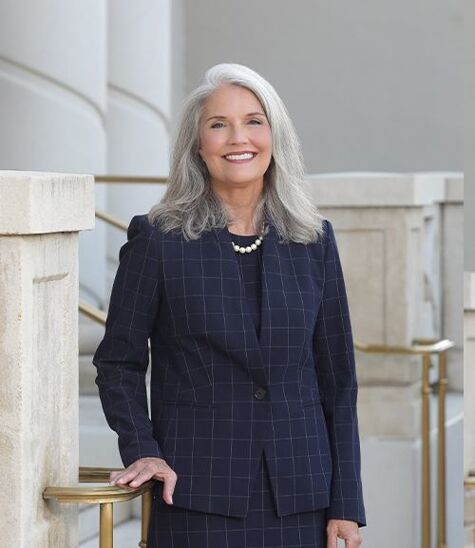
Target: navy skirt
<point>172,527</point>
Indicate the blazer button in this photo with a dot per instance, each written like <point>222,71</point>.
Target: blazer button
<point>260,393</point>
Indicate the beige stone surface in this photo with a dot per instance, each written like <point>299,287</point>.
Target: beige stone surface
<point>469,519</point>
<point>38,357</point>
<point>469,373</point>
<point>372,189</point>
<point>398,237</point>
<point>469,404</point>
<point>38,203</point>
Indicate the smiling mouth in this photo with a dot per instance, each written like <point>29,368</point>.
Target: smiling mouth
<point>240,158</point>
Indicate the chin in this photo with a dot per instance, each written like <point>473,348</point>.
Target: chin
<point>244,177</point>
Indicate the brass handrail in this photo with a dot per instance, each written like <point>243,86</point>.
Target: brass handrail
<point>424,348</point>
<point>123,179</point>
<point>105,497</point>
<point>111,219</point>
<point>95,314</point>
<point>94,474</point>
<point>92,312</point>
<point>469,481</point>
<point>420,346</point>
<point>130,179</point>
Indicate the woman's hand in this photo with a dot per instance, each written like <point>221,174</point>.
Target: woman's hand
<point>145,469</point>
<point>344,529</point>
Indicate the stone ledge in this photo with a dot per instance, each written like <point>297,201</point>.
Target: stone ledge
<point>361,189</point>
<point>34,202</point>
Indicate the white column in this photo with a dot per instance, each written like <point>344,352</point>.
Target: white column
<point>40,217</point>
<point>53,77</point>
<point>139,105</point>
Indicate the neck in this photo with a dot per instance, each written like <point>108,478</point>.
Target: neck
<point>241,203</point>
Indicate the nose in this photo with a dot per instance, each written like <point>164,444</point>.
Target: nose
<point>238,134</point>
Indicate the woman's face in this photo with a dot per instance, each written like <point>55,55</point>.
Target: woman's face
<point>235,137</point>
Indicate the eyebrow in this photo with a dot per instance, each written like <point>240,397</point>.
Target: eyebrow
<point>249,114</point>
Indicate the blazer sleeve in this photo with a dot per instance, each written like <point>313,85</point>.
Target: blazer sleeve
<point>336,374</point>
<point>122,356</point>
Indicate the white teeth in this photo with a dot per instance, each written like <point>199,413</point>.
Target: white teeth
<point>246,156</point>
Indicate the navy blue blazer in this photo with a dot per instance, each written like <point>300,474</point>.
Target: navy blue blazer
<point>220,394</point>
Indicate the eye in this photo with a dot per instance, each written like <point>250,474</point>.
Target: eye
<point>257,121</point>
<point>216,123</point>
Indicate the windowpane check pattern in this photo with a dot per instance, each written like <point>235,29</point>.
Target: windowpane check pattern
<point>223,394</point>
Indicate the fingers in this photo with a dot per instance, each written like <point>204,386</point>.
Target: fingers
<point>169,483</point>
<point>141,477</point>
<point>123,477</point>
<point>145,469</point>
<point>332,538</point>
<point>113,475</point>
<point>343,529</point>
<point>354,541</point>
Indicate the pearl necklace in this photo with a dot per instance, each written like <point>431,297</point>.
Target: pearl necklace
<point>252,247</point>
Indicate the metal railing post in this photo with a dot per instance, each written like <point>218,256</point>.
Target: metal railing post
<point>106,525</point>
<point>441,460</point>
<point>147,499</point>
<point>425,421</point>
<point>425,348</point>
<point>105,497</point>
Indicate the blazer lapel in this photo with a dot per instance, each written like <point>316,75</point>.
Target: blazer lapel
<point>271,273</point>
<point>271,281</point>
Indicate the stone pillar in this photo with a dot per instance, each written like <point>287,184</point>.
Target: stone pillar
<point>41,215</point>
<point>451,243</point>
<point>469,403</point>
<point>399,240</point>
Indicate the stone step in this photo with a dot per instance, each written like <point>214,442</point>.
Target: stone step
<point>89,519</point>
<point>98,447</point>
<point>87,376</point>
<point>90,334</point>
<point>97,442</point>
<point>126,535</point>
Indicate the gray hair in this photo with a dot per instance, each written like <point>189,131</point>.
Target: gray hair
<point>189,203</point>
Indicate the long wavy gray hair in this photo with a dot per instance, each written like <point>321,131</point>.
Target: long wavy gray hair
<point>189,204</point>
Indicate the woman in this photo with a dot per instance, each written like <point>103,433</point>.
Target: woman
<point>235,278</point>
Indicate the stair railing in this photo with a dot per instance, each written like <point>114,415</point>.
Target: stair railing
<point>426,348</point>
<point>106,497</point>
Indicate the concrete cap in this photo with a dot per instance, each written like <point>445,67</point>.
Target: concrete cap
<point>34,202</point>
<point>362,189</point>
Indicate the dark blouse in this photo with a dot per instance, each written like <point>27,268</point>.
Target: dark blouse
<point>250,268</point>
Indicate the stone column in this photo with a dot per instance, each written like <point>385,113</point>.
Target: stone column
<point>139,109</point>
<point>41,215</point>
<point>399,239</point>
